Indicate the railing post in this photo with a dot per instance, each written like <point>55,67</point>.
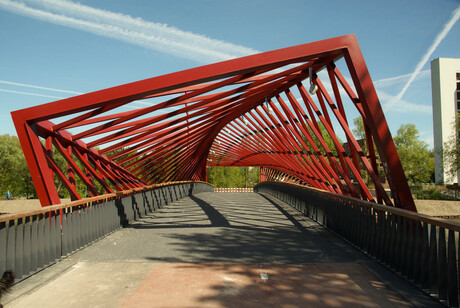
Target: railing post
<point>65,235</point>
<point>452,271</point>
<point>55,237</point>
<point>34,243</point>
<point>41,242</point>
<point>386,237</point>
<point>3,245</point>
<point>417,265</point>
<point>433,263</point>
<point>425,258</point>
<point>404,247</point>
<point>410,249</point>
<point>11,246</point>
<point>393,243</point>
<point>19,249</point>
<point>47,241</point>
<point>442,265</point>
<point>27,236</point>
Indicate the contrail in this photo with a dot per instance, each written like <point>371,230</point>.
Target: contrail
<point>28,93</point>
<point>37,87</point>
<point>155,36</point>
<point>441,35</point>
<point>50,96</point>
<point>386,82</point>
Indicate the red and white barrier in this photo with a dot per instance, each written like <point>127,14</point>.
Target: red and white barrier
<point>233,189</point>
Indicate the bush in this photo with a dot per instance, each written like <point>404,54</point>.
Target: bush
<point>432,193</point>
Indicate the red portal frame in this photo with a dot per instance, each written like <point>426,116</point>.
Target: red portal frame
<point>250,111</point>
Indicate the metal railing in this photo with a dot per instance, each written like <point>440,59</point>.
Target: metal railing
<point>31,241</point>
<point>423,249</point>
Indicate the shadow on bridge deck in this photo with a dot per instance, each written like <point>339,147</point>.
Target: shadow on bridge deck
<point>218,250</point>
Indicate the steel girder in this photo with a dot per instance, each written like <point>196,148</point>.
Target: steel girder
<point>250,111</point>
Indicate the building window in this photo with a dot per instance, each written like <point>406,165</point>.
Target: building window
<point>458,76</point>
<point>458,85</point>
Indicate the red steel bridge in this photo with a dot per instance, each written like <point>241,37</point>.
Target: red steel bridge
<point>286,110</point>
<point>143,146</point>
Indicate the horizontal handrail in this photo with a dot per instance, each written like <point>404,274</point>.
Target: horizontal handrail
<point>84,201</point>
<point>440,222</point>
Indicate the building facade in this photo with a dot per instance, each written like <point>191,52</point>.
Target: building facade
<point>445,86</point>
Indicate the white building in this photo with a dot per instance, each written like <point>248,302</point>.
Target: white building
<point>445,86</point>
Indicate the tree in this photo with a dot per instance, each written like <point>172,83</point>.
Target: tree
<point>237,177</point>
<point>14,174</point>
<point>359,131</point>
<point>417,160</point>
<point>327,139</point>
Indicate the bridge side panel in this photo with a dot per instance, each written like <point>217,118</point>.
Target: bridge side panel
<point>420,248</point>
<point>32,241</point>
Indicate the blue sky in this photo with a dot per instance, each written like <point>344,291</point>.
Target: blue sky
<point>53,49</point>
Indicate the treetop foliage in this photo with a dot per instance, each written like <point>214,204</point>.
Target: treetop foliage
<point>14,174</point>
<point>236,177</point>
<point>417,160</point>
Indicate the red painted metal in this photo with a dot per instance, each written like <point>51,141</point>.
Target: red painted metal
<point>251,111</point>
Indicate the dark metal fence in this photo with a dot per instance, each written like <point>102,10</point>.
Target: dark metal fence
<point>420,248</point>
<point>34,240</point>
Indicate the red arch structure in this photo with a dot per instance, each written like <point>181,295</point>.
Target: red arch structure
<point>260,110</point>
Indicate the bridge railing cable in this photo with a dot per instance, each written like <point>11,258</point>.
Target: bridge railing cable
<point>420,248</point>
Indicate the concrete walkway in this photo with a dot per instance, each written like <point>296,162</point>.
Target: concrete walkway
<point>218,250</point>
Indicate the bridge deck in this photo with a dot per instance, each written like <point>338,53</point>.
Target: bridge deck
<point>218,250</point>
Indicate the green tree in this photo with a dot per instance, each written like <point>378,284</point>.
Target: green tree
<point>14,174</point>
<point>417,160</point>
<point>359,131</point>
<point>238,177</point>
<point>253,176</point>
<point>80,186</point>
<point>327,139</point>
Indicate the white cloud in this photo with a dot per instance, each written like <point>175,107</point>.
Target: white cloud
<point>155,36</point>
<point>388,102</point>
<point>427,136</point>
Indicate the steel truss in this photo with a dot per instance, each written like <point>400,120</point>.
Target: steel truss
<point>250,111</point>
